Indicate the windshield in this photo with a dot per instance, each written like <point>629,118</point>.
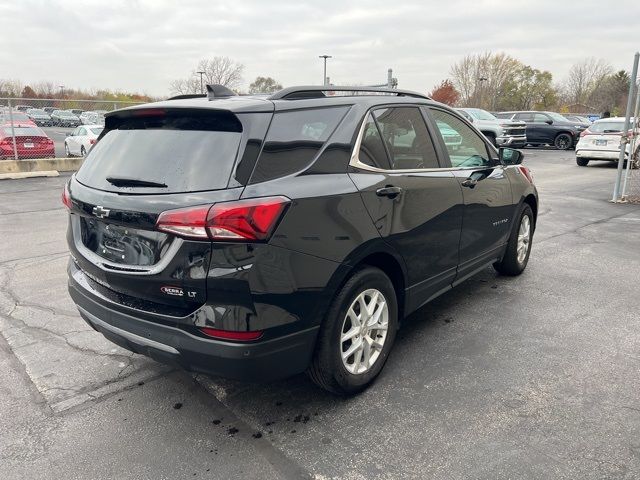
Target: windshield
<point>480,114</point>
<point>556,117</point>
<point>96,130</point>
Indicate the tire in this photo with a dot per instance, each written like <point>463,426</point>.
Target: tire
<point>66,150</point>
<point>328,370</point>
<point>582,162</point>
<point>512,263</point>
<point>83,152</point>
<point>492,138</point>
<point>563,141</point>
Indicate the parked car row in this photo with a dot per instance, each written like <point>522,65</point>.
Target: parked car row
<point>501,133</point>
<point>548,128</point>
<point>51,116</point>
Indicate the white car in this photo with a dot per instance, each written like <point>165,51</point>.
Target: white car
<point>601,141</point>
<point>80,141</point>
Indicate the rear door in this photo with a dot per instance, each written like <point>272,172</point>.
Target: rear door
<point>147,162</point>
<point>415,205</point>
<point>488,205</point>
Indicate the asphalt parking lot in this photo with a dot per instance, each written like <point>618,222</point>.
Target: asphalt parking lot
<point>58,134</point>
<point>529,377</point>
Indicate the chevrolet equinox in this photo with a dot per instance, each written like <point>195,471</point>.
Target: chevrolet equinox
<point>257,237</point>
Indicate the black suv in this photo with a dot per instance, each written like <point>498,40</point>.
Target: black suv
<point>260,237</point>
<point>548,128</point>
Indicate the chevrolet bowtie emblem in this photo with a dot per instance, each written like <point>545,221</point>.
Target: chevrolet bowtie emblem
<point>100,212</point>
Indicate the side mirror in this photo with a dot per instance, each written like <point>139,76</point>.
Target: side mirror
<point>549,122</point>
<point>510,156</point>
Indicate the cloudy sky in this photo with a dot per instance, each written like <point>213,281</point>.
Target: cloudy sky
<point>140,45</point>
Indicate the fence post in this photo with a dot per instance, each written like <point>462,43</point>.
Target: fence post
<point>625,139</point>
<point>13,132</point>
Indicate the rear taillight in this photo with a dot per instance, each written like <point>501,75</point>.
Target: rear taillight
<point>231,335</point>
<point>252,219</point>
<point>6,141</point>
<point>526,173</point>
<point>92,141</point>
<point>584,133</point>
<point>66,197</point>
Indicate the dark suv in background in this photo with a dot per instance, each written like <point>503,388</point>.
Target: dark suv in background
<point>548,128</point>
<point>260,237</point>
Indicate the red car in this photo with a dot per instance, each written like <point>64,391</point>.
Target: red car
<point>31,142</point>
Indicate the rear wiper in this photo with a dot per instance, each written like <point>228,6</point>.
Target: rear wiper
<point>133,182</point>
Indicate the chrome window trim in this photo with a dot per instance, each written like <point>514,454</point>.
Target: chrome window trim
<point>356,163</point>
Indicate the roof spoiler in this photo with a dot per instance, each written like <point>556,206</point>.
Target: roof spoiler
<point>315,91</point>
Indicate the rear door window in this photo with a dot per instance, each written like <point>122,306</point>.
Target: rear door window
<point>294,139</point>
<point>186,150</point>
<point>407,138</point>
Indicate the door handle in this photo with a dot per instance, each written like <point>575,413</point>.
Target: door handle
<point>389,191</point>
<point>469,182</point>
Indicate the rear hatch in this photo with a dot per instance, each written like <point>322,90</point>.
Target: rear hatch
<point>147,162</point>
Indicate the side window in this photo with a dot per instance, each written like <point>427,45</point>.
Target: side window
<point>407,139</point>
<point>294,139</point>
<point>525,117</point>
<point>466,148</point>
<point>372,151</point>
<point>540,118</point>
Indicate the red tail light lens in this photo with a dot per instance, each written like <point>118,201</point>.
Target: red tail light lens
<point>66,197</point>
<point>231,335</point>
<point>584,133</point>
<point>526,173</point>
<point>253,219</point>
<point>92,141</point>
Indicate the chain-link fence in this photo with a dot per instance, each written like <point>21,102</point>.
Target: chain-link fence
<point>33,128</point>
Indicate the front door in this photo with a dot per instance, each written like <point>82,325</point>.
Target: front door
<point>415,205</point>
<point>488,205</point>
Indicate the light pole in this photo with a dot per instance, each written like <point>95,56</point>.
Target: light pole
<point>481,80</point>
<point>201,86</point>
<point>324,77</point>
<point>61,91</point>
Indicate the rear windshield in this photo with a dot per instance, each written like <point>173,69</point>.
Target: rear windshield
<point>96,130</point>
<point>186,151</point>
<point>24,131</point>
<point>601,127</point>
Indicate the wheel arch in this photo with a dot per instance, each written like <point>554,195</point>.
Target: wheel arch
<point>533,203</point>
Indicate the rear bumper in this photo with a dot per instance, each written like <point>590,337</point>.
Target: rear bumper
<point>611,155</point>
<point>255,361</point>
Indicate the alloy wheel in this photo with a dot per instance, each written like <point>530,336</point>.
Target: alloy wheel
<point>524,238</point>
<point>364,331</point>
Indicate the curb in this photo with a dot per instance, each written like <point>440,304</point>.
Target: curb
<point>41,167</point>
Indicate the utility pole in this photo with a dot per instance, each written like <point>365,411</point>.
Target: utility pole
<point>625,131</point>
<point>324,76</point>
<point>61,91</point>
<point>201,85</point>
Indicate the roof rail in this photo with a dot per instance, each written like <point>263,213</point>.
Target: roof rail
<point>317,91</point>
<point>219,91</point>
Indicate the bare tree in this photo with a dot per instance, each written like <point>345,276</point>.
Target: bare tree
<point>584,78</point>
<point>46,89</point>
<point>11,87</point>
<point>482,78</point>
<point>264,85</point>
<point>217,70</point>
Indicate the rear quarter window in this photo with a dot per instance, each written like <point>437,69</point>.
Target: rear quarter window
<point>294,139</point>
